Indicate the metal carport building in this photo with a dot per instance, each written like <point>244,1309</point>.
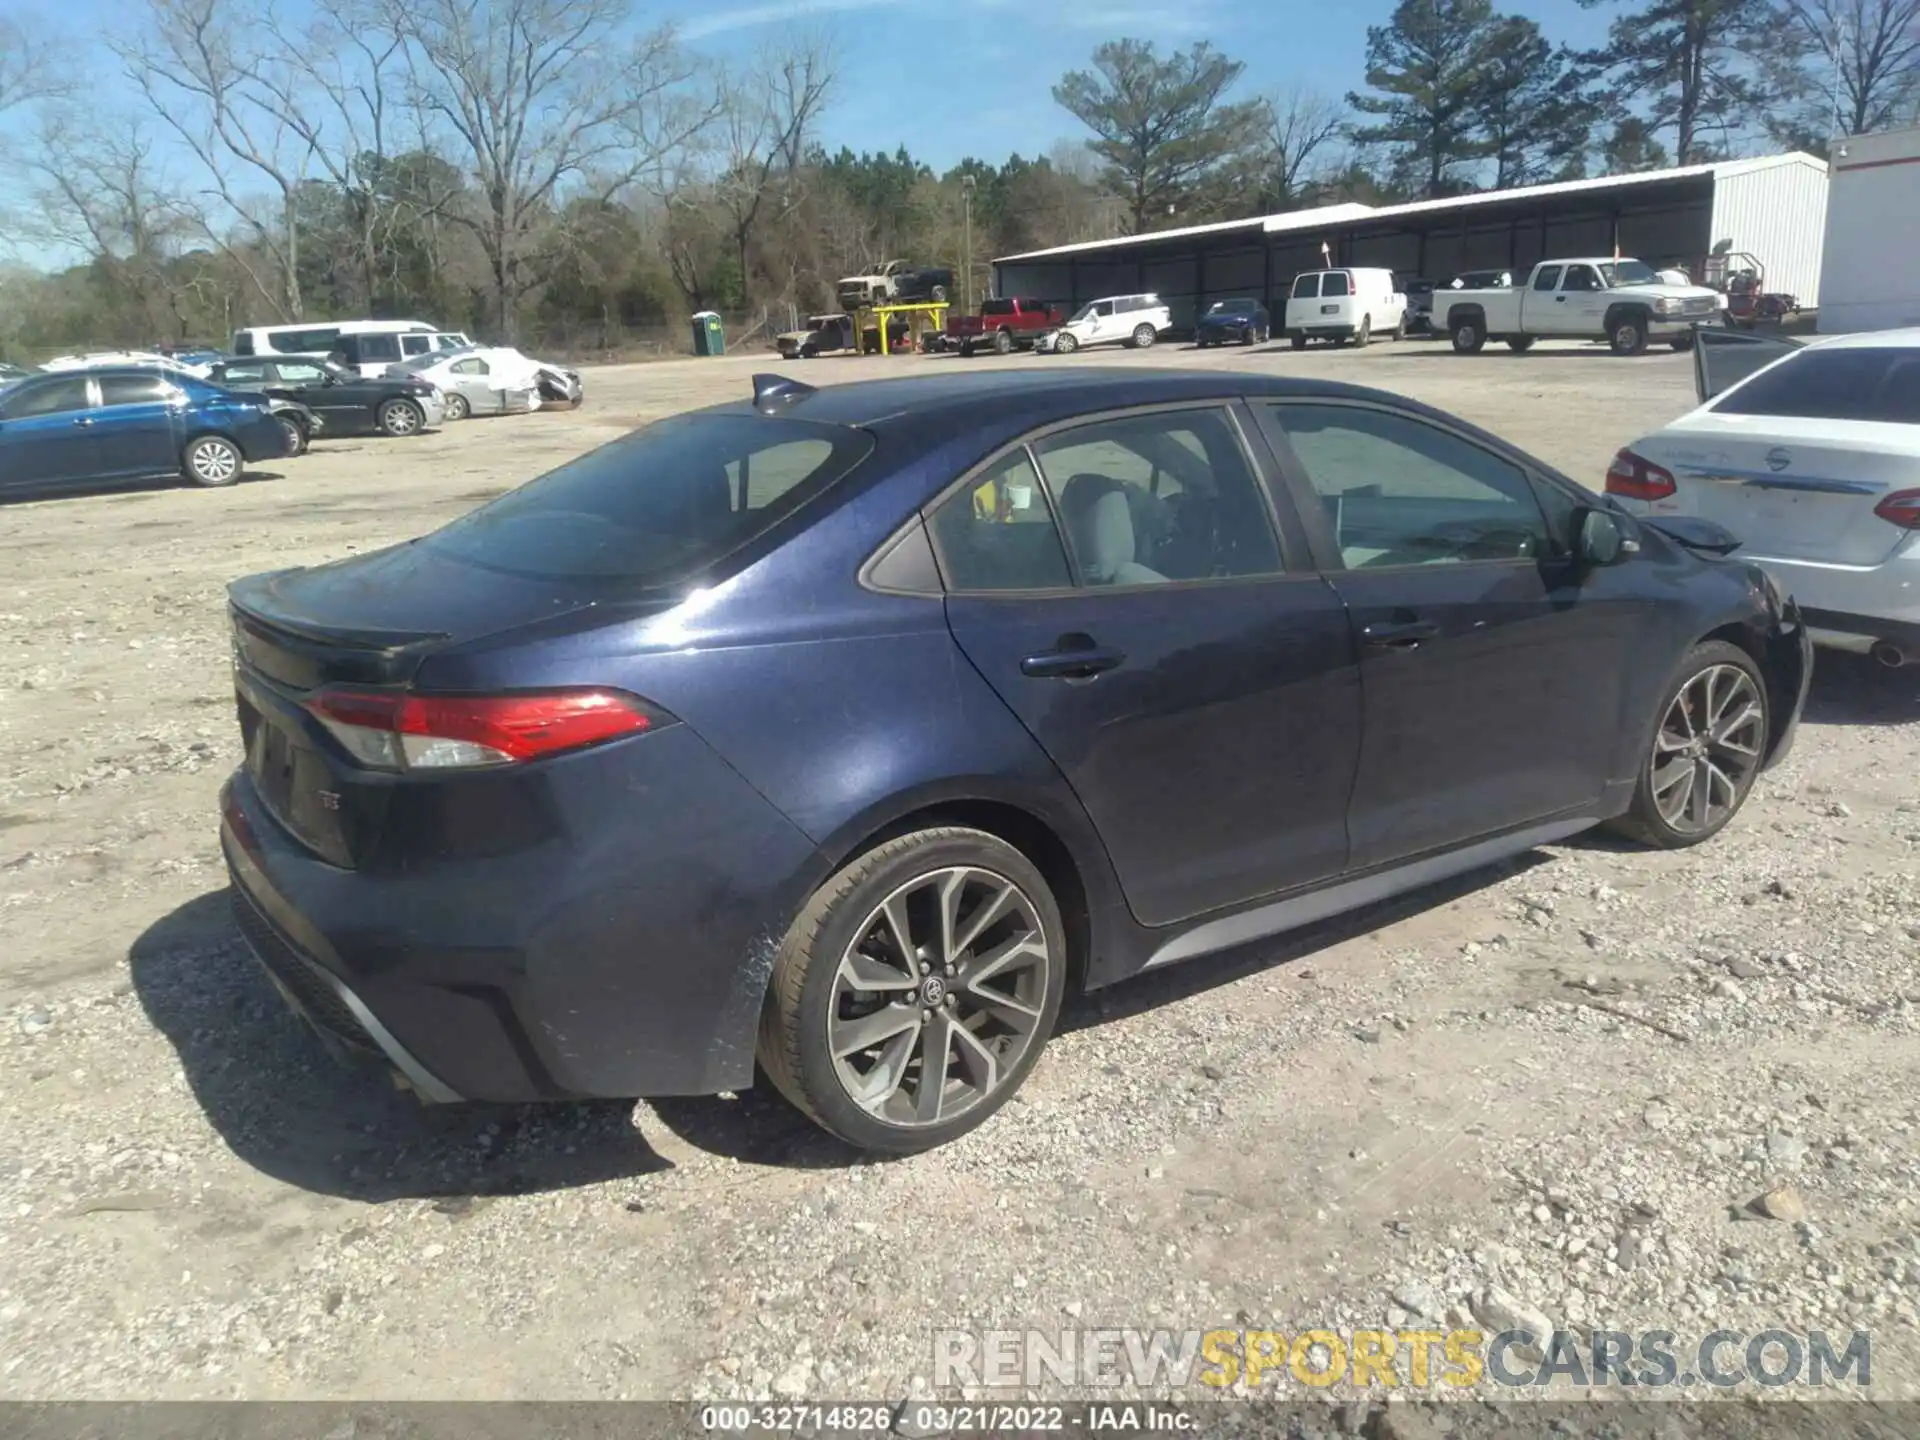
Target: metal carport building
<point>1773,208</point>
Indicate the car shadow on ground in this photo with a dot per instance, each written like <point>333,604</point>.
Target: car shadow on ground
<point>1851,689</point>
<point>130,491</point>
<point>285,1107</point>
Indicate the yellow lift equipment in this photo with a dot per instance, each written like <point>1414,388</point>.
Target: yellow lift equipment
<point>922,317</point>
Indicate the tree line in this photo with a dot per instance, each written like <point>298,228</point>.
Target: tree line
<point>547,170</point>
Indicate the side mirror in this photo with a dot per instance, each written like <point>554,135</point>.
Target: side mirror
<point>1602,539</point>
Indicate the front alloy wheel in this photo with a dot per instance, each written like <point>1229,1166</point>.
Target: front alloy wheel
<point>1707,750</point>
<point>401,417</point>
<point>916,990</point>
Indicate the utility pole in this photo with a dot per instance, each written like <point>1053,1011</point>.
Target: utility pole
<point>966,206</point>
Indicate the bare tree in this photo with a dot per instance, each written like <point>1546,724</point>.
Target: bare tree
<point>201,69</point>
<point>538,96</point>
<point>29,64</point>
<point>766,118</point>
<point>103,193</point>
<point>1862,59</point>
<point>1301,124</point>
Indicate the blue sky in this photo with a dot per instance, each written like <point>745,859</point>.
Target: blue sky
<point>952,78</point>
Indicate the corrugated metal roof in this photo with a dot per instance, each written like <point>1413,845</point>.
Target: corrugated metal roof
<point>1351,212</point>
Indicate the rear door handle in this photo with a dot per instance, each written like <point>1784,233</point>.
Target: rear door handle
<point>84,420</point>
<point>1071,664</point>
<point>1400,635</point>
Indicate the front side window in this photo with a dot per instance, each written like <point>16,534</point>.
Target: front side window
<point>56,397</point>
<point>1875,383</point>
<point>657,506</point>
<point>1400,491</point>
<point>998,534</point>
<point>416,344</point>
<point>471,366</point>
<point>297,372</point>
<point>302,342</point>
<point>1581,277</point>
<point>1146,499</point>
<point>243,375</point>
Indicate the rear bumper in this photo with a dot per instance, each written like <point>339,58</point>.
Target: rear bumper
<point>591,947</point>
<point>1324,332</point>
<point>1837,626</point>
<point>1854,605</point>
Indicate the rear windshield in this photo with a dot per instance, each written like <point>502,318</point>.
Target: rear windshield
<point>1871,383</point>
<point>1335,283</point>
<point>1306,287</point>
<point>660,504</point>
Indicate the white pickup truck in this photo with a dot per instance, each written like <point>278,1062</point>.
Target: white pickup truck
<point>1624,302</point>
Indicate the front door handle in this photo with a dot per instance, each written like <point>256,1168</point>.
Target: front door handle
<point>84,420</point>
<point>1399,635</point>
<point>1076,664</point>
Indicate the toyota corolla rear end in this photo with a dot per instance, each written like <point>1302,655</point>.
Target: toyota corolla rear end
<point>471,839</point>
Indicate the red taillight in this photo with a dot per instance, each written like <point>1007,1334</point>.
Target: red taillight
<point>1638,479</point>
<point>1901,508</point>
<point>392,731</point>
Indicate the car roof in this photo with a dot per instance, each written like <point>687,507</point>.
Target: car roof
<point>1016,400</point>
<point>1901,339</point>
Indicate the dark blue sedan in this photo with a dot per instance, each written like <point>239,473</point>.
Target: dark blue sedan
<point>100,427</point>
<point>1242,322</point>
<point>846,730</point>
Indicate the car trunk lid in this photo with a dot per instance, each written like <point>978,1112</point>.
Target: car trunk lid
<point>1789,488</point>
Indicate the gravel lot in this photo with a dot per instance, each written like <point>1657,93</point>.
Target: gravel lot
<point>1551,1088</point>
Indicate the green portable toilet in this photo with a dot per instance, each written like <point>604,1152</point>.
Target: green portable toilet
<point>708,336</point>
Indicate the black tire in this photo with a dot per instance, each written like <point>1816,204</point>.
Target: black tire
<point>1519,344</point>
<point>1468,337</point>
<point>1002,343</point>
<point>1683,342</point>
<point>1364,334</point>
<point>400,418</point>
<point>794,1044</point>
<point>212,462</point>
<point>1400,328</point>
<point>1299,342</point>
<point>1142,338</point>
<point>966,349</point>
<point>1201,342</point>
<point>1627,332</point>
<point>296,434</point>
<point>1643,820</point>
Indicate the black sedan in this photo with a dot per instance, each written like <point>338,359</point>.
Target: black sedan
<point>840,731</point>
<point>1244,322</point>
<point>345,400</point>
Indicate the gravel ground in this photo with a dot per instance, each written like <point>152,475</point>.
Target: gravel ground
<point>1554,1093</point>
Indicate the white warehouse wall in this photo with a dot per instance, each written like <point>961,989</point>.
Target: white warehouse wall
<point>1872,281</point>
<point>1774,210</point>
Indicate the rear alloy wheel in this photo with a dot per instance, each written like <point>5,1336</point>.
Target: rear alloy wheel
<point>1519,344</point>
<point>1365,332</point>
<point>916,990</point>
<point>1143,337</point>
<point>1706,750</point>
<point>1468,338</point>
<point>1400,329</point>
<point>1002,343</point>
<point>296,436</point>
<point>212,461</point>
<point>459,409</point>
<point>401,417</point>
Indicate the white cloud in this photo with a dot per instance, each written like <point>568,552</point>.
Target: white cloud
<point>748,17</point>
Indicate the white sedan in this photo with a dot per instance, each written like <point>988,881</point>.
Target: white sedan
<point>493,380</point>
<point>1809,454</point>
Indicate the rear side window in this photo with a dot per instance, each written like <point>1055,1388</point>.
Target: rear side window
<point>243,342</point>
<point>55,397</point>
<point>1547,277</point>
<point>659,505</point>
<point>999,534</point>
<point>997,307</point>
<point>1879,383</point>
<point>133,389</point>
<point>299,342</point>
<point>1307,287</point>
<point>1334,283</point>
<point>379,347</point>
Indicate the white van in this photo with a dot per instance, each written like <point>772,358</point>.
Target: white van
<point>1340,305</point>
<point>388,340</point>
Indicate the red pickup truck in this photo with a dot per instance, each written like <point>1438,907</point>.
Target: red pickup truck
<point>1003,324</point>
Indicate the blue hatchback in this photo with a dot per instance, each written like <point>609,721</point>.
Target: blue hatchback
<point>845,730</point>
<point>99,427</point>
